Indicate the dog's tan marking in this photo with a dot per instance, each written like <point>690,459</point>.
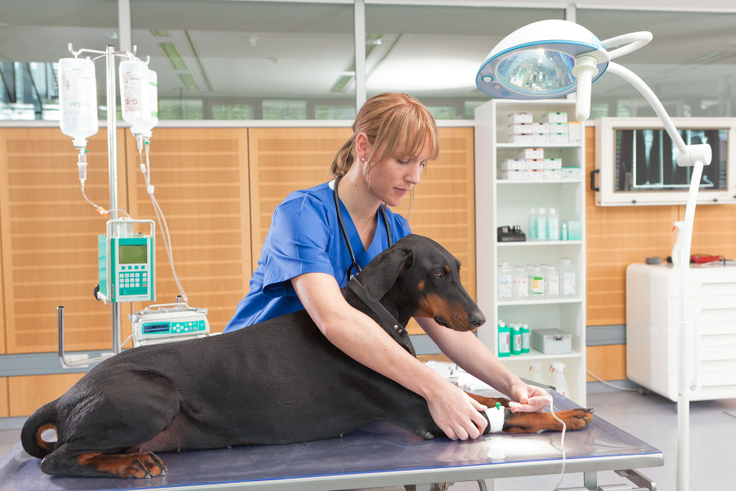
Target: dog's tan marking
<point>433,305</point>
<point>140,465</point>
<point>420,286</point>
<point>43,444</point>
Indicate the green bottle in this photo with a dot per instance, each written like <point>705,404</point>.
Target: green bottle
<point>515,339</point>
<point>504,340</point>
<point>525,338</point>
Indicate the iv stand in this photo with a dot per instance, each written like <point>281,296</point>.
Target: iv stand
<point>112,156</point>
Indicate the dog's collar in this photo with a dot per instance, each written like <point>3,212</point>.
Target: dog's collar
<point>396,329</point>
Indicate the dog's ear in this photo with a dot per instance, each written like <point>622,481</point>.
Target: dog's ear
<point>381,274</point>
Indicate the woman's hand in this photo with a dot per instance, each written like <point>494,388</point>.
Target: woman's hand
<point>456,413</point>
<point>530,398</point>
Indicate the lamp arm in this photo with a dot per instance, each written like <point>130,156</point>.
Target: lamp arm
<point>649,95</point>
<point>632,42</point>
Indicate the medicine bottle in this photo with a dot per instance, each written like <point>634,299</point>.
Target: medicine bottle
<point>521,284</point>
<point>515,339</point>
<point>552,279</point>
<point>505,281</point>
<point>504,340</point>
<point>542,225</point>
<point>525,338</point>
<point>537,284</point>
<point>553,225</point>
<point>568,279</point>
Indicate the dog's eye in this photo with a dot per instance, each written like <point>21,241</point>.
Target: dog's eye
<point>439,274</point>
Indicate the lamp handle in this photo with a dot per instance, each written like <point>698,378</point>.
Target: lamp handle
<point>628,42</point>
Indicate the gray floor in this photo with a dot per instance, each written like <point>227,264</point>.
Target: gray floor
<point>650,418</point>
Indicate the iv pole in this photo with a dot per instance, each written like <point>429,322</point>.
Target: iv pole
<point>112,157</point>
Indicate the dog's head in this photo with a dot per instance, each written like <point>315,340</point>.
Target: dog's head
<point>425,282</point>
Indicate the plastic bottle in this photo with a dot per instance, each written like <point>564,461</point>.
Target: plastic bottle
<point>564,234</point>
<point>515,339</point>
<point>554,225</point>
<point>78,99</point>
<point>558,370</point>
<point>542,225</point>
<point>525,339</point>
<point>568,278</point>
<point>536,368</point>
<point>152,120</point>
<point>504,340</point>
<point>505,281</point>
<point>552,283</point>
<point>537,284</point>
<point>521,284</point>
<point>533,225</point>
<point>135,95</point>
<point>677,249</point>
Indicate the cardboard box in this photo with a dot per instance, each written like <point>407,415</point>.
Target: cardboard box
<point>559,128</point>
<point>534,174</point>
<point>512,164</point>
<point>520,139</point>
<point>575,130</point>
<point>532,153</point>
<point>553,163</point>
<point>534,164</point>
<point>520,129</point>
<point>540,128</point>
<point>555,117</point>
<point>540,138</point>
<point>512,175</point>
<point>551,341</point>
<point>559,138</point>
<point>553,173</point>
<point>520,118</point>
<point>571,173</point>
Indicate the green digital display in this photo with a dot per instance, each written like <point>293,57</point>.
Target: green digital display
<point>133,254</point>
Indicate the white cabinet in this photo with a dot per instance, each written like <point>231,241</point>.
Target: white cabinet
<point>504,202</point>
<point>652,329</point>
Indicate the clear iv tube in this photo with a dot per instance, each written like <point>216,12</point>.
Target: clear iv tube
<point>165,235</point>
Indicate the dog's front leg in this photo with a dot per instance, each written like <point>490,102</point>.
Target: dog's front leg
<point>489,402</point>
<point>575,419</point>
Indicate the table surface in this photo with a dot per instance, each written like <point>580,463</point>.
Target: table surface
<point>377,455</point>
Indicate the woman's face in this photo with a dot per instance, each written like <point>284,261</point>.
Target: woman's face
<point>391,180</point>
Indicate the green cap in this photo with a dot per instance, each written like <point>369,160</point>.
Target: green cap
<point>498,406</point>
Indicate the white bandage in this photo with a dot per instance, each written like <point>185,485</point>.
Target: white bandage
<point>496,418</point>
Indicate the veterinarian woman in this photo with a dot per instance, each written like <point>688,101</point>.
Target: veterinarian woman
<point>305,261</point>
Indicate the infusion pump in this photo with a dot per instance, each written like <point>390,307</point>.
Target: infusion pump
<point>127,262</point>
<point>166,323</point>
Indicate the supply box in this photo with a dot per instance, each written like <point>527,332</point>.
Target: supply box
<point>551,341</point>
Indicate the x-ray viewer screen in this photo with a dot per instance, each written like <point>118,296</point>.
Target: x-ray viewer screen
<point>646,160</point>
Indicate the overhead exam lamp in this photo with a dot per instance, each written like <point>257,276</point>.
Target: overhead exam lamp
<point>553,58</point>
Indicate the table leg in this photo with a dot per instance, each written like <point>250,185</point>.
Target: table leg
<point>590,480</point>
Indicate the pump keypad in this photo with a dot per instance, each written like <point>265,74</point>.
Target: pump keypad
<point>132,280</point>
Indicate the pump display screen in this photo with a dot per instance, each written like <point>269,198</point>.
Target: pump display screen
<point>133,254</point>
<point>646,160</point>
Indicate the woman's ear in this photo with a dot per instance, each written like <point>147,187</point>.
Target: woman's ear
<point>363,147</point>
<point>380,274</point>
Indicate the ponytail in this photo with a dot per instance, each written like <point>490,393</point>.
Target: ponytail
<point>344,159</point>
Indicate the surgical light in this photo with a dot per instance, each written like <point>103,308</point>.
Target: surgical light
<point>553,58</point>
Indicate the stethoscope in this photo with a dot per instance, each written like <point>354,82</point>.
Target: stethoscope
<point>354,264</point>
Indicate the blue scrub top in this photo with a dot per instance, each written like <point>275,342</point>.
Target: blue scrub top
<point>305,237</point>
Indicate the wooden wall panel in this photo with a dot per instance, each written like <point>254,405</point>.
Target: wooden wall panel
<point>287,159</point>
<point>49,238</point>
<point>29,393</point>
<point>4,398</point>
<point>3,331</point>
<point>201,184</point>
<point>607,362</point>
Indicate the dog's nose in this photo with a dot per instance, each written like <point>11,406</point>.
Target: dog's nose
<point>477,319</point>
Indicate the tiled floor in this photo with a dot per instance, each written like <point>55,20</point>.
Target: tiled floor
<point>650,418</point>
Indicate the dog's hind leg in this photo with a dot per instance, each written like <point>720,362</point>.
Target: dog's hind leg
<point>66,461</point>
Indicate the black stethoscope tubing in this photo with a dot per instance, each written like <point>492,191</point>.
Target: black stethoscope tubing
<point>381,208</point>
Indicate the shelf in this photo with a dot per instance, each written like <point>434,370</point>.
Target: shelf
<point>535,355</point>
<point>538,145</point>
<point>540,181</point>
<point>551,301</point>
<point>539,243</point>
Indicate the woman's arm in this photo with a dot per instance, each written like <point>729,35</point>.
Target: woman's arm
<point>358,336</point>
<point>465,349</point>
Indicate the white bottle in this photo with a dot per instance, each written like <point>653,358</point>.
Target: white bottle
<point>78,99</point>
<point>505,281</point>
<point>536,368</point>
<point>135,95</point>
<point>521,284</point>
<point>542,225</point>
<point>560,383</point>
<point>533,225</point>
<point>152,120</point>
<point>552,279</point>
<point>568,279</point>
<point>554,225</point>
<point>537,284</point>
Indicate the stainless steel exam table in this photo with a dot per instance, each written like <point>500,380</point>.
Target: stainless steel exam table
<point>377,455</point>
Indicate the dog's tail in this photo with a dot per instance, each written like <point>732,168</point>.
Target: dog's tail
<point>30,436</point>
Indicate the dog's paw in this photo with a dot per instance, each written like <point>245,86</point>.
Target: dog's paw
<point>144,465</point>
<point>576,419</point>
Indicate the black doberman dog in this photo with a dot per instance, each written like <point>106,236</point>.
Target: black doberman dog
<point>279,381</point>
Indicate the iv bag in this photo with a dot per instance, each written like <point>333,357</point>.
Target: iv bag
<point>78,99</point>
<point>134,96</point>
<point>152,120</point>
